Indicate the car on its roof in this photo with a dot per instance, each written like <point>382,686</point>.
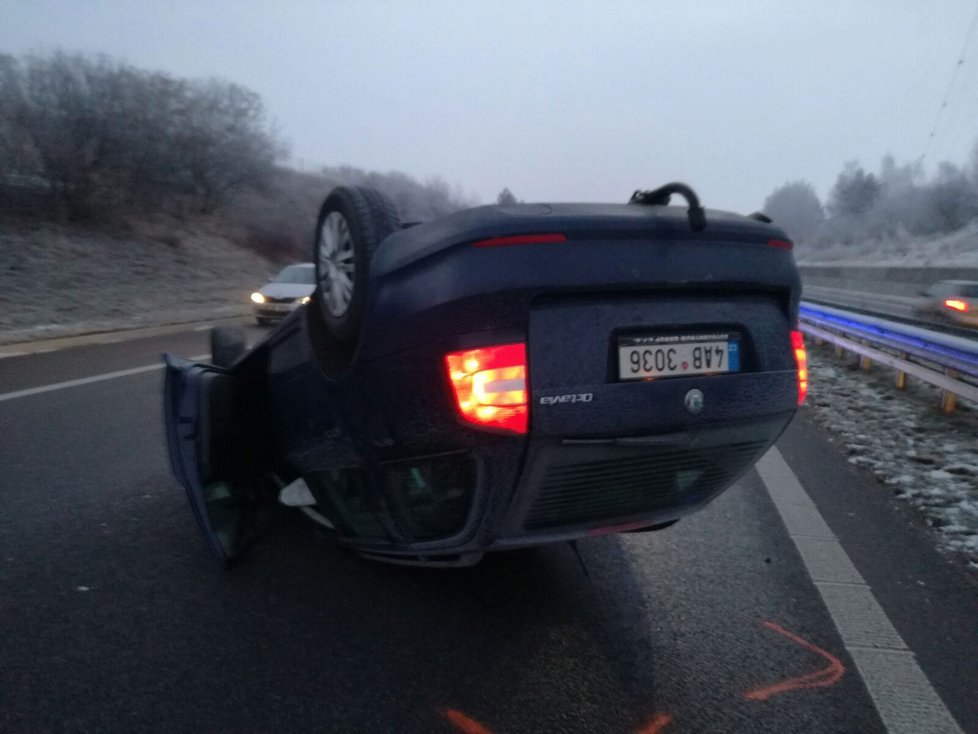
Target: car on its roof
<point>955,301</point>
<point>284,293</point>
<point>501,377</point>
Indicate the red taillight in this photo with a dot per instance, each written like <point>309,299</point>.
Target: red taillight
<point>490,386</point>
<point>958,305</point>
<point>521,239</point>
<point>780,244</point>
<point>801,359</point>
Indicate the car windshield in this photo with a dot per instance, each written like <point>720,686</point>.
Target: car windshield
<point>305,274</point>
<point>968,291</point>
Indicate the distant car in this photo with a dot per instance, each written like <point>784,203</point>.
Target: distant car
<point>501,377</point>
<point>951,300</point>
<point>283,294</point>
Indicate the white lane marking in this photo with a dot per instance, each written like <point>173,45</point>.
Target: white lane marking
<point>896,674</point>
<point>826,561</point>
<point>205,327</point>
<point>904,698</point>
<point>13,354</point>
<point>87,380</point>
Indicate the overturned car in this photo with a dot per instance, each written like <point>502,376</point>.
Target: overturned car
<point>501,377</point>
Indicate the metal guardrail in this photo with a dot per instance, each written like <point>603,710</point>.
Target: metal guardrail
<point>948,362</point>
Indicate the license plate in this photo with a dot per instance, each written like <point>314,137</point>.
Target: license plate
<point>674,355</point>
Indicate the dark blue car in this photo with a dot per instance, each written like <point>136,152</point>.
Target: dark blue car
<point>505,376</point>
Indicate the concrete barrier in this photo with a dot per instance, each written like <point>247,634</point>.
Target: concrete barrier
<point>883,303</point>
<point>888,280</point>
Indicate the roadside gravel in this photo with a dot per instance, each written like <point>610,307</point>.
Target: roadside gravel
<point>923,456</point>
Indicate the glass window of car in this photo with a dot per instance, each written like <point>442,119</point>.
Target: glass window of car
<point>296,274</point>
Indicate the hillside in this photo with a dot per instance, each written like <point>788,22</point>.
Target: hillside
<point>58,280</point>
<point>171,264</point>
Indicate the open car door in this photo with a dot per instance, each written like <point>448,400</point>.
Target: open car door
<point>207,446</point>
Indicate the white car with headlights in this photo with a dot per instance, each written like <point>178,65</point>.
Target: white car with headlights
<point>284,293</point>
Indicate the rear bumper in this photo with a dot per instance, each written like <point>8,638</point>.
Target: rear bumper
<point>578,488</point>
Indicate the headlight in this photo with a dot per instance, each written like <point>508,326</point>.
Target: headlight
<point>305,299</point>
<point>257,297</point>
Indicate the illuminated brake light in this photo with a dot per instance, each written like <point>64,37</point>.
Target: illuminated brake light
<point>801,359</point>
<point>521,239</point>
<point>490,386</point>
<point>957,305</point>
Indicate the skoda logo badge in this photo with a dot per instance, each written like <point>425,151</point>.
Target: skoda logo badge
<point>694,401</point>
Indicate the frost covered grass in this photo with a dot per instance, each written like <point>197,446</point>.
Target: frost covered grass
<point>923,456</point>
<point>955,248</point>
<point>58,281</point>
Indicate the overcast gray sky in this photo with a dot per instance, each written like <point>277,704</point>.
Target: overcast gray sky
<point>563,100</point>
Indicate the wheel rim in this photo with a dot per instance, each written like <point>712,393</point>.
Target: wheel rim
<point>337,264</point>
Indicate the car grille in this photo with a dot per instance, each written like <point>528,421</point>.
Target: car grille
<point>280,300</point>
<point>658,479</point>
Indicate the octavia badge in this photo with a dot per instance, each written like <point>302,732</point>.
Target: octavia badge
<point>694,401</point>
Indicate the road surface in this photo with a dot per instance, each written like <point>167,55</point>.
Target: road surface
<point>803,600</point>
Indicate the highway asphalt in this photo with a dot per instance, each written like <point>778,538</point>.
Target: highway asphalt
<point>114,618</point>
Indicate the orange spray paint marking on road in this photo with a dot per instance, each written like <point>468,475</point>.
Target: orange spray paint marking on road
<point>464,724</point>
<point>660,722</point>
<point>827,677</point>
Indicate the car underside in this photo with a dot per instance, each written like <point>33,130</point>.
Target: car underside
<point>505,376</point>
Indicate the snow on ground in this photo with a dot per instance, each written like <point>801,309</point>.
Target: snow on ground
<point>56,281</point>
<point>923,456</point>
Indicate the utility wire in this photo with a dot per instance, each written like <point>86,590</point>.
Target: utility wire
<point>950,85</point>
<point>957,127</point>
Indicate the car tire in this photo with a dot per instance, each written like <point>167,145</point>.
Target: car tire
<point>353,221</point>
<point>228,344</point>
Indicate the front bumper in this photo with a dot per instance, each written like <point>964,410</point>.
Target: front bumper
<point>274,310</point>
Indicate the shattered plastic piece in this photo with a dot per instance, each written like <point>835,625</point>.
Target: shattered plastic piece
<point>296,494</point>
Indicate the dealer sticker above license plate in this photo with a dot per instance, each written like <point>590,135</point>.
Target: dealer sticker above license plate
<point>673,355</point>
